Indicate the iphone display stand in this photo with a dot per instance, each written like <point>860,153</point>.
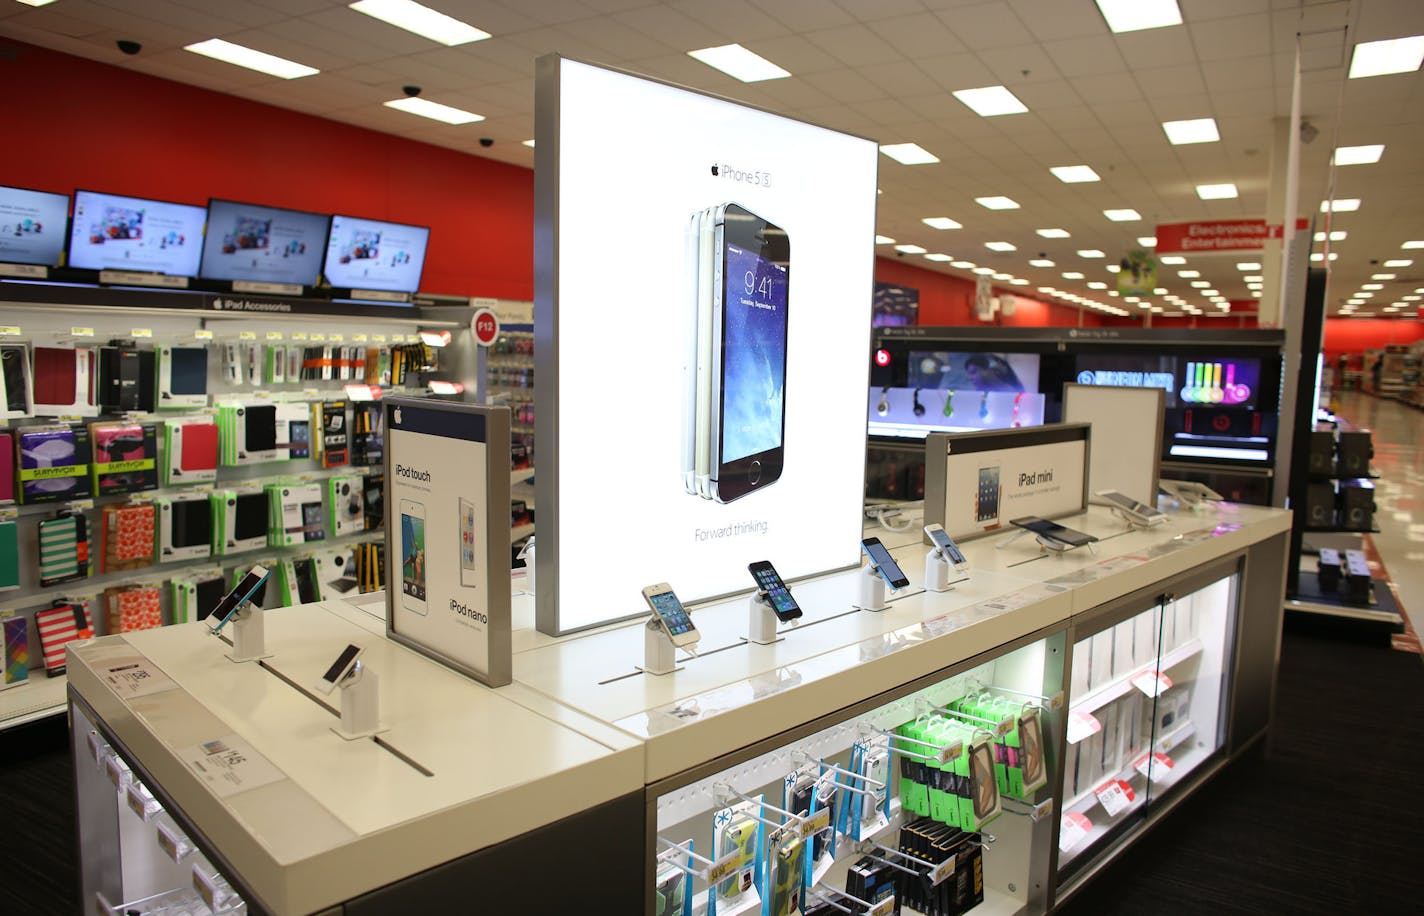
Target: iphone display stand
<point>659,655</point>
<point>761,621</point>
<point>248,635</point>
<point>527,555</point>
<point>936,571</point>
<point>872,590</point>
<point>1132,523</point>
<point>360,704</point>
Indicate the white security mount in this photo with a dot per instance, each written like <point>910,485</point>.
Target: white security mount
<point>1135,524</point>
<point>937,569</point>
<point>360,704</point>
<point>659,654</point>
<point>527,555</point>
<point>761,621</point>
<point>871,593</point>
<point>249,638</point>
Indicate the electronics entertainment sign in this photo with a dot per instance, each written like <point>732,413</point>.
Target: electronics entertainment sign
<point>447,533</point>
<point>730,252</point>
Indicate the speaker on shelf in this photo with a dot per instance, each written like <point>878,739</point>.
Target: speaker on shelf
<point>1320,506</point>
<point>1322,452</point>
<point>1355,449</point>
<point>1357,505</point>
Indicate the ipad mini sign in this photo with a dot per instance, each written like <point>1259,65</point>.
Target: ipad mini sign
<point>741,421</point>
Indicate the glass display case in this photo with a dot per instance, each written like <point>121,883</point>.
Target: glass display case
<point>934,798</point>
<point>1146,708</point>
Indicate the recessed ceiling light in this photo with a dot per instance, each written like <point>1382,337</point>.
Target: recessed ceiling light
<point>529,143</point>
<point>1111,268</point>
<point>1003,276</point>
<point>1217,191</point>
<point>1248,265</point>
<point>1414,244</point>
<point>990,101</point>
<point>1197,130</point>
<point>941,222</point>
<point>909,153</point>
<point>1395,55</point>
<point>740,63</point>
<point>1364,295</point>
<point>1097,284</point>
<point>1371,286</point>
<point>1040,262</point>
<point>1126,215</point>
<point>983,271</point>
<point>1358,155</point>
<point>1382,276</point>
<point>884,240</point>
<point>422,20</point>
<point>1047,289</point>
<point>1253,278</point>
<point>435,111</point>
<point>1398,262</point>
<point>1413,298</point>
<point>1131,299</point>
<point>1172,259</point>
<point>1135,15</point>
<point>1000,246</point>
<point>963,265</point>
<point>936,256</point>
<point>1019,281</point>
<point>1160,291</point>
<point>36,2</point>
<point>1074,174</point>
<point>911,249</point>
<point>1347,205</point>
<point>1256,294</point>
<point>1201,284</point>
<point>1335,235</point>
<point>997,203</point>
<point>1209,293</point>
<point>240,56</point>
<point>1072,275</point>
<point>1090,253</point>
<point>1147,241</point>
<point>1189,274</point>
<point>1053,233</point>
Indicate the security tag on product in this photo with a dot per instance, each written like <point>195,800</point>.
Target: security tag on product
<point>1082,725</point>
<point>1152,683</point>
<point>1114,795</point>
<point>135,676</point>
<point>942,871</point>
<point>885,907</point>
<point>724,867</point>
<point>813,824</point>
<point>1073,829</point>
<point>1155,766</point>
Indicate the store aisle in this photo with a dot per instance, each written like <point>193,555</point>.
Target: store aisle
<point>1399,493</point>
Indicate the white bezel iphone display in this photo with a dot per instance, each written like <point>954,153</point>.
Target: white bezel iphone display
<point>1135,511</point>
<point>671,616</point>
<point>340,668</point>
<point>233,601</point>
<point>946,547</point>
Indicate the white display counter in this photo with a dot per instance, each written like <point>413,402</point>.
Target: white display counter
<point>581,726</point>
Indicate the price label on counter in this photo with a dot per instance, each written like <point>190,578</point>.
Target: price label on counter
<point>1082,725</point>
<point>941,872</point>
<point>813,824</point>
<point>1152,683</point>
<point>135,677</point>
<point>229,765</point>
<point>1114,795</point>
<point>1155,766</point>
<point>1073,829</point>
<point>724,867</point>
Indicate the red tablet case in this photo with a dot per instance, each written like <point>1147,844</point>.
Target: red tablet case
<point>200,447</point>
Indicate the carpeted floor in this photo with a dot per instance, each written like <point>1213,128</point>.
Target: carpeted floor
<point>1325,821</point>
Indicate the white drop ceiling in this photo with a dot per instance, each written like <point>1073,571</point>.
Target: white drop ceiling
<point>885,69</point>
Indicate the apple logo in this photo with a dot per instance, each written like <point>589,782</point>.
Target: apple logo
<point>398,416</point>
<point>714,171</point>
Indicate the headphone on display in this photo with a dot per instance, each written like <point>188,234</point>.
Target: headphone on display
<point>919,408</point>
<point>949,403</point>
<point>884,406</point>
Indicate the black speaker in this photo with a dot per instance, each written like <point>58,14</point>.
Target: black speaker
<point>1320,506</point>
<point>1357,505</point>
<point>1322,453</point>
<point>1355,450</point>
<point>1328,568</point>
<point>1357,578</point>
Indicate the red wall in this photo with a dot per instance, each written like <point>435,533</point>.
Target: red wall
<point>90,125</point>
<point>1356,335</point>
<point>949,300</point>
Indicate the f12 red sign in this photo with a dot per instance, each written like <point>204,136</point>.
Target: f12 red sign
<point>485,326</point>
<point>1218,235</point>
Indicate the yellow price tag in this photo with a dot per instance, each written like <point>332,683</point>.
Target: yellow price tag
<point>81,332</point>
<point>247,335</point>
<point>142,332</point>
<point>274,335</point>
<point>203,334</point>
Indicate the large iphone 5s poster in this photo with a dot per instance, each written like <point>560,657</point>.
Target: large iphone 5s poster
<point>702,311</point>
<point>447,533</point>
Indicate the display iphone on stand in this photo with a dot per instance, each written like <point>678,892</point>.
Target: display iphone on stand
<point>469,568</point>
<point>670,615</point>
<point>413,555</point>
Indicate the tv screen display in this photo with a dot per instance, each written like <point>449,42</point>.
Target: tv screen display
<point>1190,381</point>
<point>263,244</point>
<point>132,233</point>
<point>973,371</point>
<point>369,254</point>
<point>32,226</point>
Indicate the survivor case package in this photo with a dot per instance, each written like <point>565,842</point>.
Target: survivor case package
<point>53,463</point>
<point>125,457</point>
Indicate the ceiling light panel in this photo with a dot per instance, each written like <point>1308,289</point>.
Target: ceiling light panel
<point>1172,259</point>
<point>1381,276</point>
<point>990,101</point>
<point>1000,246</point>
<point>1413,244</point>
<point>1147,241</point>
<point>909,153</point>
<point>1040,262</point>
<point>1074,174</point>
<point>1136,15</point>
<point>1217,191</point>
<point>1072,275</point>
<point>1344,205</point>
<point>435,111</point>
<point>963,265</point>
<point>1189,274</point>
<point>936,256</point>
<point>911,249</point>
<point>941,222</point>
<point>422,20</point>
<point>1335,235</point>
<point>1247,266</point>
<point>252,59</point>
<point>1125,215</point>
<point>1054,233</point>
<point>1358,155</point>
<point>1090,253</point>
<point>747,66</point>
<point>997,203</point>
<point>1379,58</point>
<point>884,240</point>
<point>1398,262</point>
<point>1197,130</point>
